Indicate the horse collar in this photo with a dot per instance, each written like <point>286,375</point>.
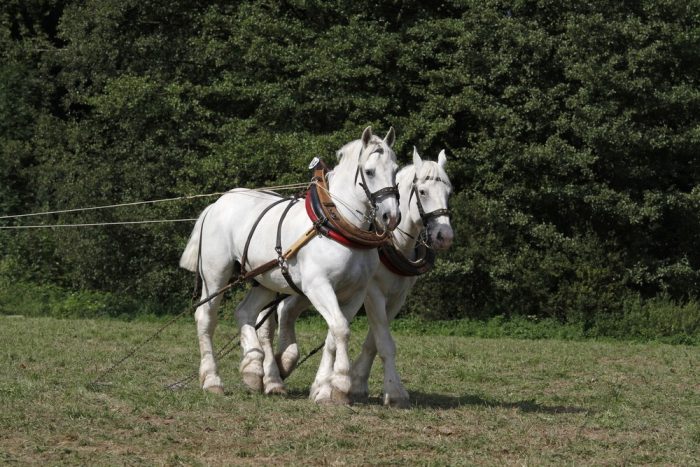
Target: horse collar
<point>397,263</point>
<point>328,221</point>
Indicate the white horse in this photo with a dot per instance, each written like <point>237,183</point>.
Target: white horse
<point>424,191</point>
<point>332,276</point>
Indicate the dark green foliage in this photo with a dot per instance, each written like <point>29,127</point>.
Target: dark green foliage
<point>571,131</point>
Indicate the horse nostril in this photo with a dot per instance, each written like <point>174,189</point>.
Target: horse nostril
<point>439,236</point>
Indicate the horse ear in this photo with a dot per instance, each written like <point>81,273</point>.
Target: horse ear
<point>366,136</point>
<point>442,159</point>
<point>390,137</point>
<point>417,161</point>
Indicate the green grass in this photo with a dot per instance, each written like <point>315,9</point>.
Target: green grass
<point>474,401</point>
<point>656,319</point>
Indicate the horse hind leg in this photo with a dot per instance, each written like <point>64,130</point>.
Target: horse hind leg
<point>287,354</point>
<point>206,320</point>
<point>272,381</point>
<point>251,366</point>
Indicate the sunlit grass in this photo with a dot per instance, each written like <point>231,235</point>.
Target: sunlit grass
<point>474,401</point>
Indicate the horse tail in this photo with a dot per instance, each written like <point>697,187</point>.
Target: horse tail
<point>190,257</point>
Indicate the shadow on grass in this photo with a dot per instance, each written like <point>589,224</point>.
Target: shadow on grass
<point>441,401</point>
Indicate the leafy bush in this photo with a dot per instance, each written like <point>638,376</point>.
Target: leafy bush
<point>571,130</point>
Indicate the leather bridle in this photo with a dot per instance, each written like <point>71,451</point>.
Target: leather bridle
<point>376,196</point>
<point>426,216</point>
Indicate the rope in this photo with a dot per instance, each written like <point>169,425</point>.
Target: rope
<point>52,226</point>
<point>290,186</point>
<point>109,206</point>
<point>310,354</point>
<point>136,348</point>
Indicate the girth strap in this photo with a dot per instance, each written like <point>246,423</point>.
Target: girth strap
<point>244,258</point>
<point>281,260</point>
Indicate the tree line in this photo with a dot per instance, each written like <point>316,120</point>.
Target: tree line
<point>571,130</point>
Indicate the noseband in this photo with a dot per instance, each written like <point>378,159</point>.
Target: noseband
<point>427,216</point>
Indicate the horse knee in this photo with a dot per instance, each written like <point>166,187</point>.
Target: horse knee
<point>340,333</point>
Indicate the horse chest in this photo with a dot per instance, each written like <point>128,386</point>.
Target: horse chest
<point>341,267</point>
<point>392,285</point>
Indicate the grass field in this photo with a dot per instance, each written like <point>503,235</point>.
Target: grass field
<point>474,401</point>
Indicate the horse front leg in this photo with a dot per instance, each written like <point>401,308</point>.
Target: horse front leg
<point>382,342</point>
<point>334,389</point>
<point>322,389</point>
<point>251,366</point>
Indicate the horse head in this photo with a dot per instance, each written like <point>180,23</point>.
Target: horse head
<point>431,189</point>
<point>375,176</point>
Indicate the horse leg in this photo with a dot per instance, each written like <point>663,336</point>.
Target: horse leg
<point>380,313</point>
<point>206,319</point>
<point>336,388</point>
<point>361,368</point>
<point>287,354</point>
<point>251,366</point>
<point>266,335</point>
<point>321,389</point>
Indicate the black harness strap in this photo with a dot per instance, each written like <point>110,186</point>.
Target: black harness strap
<point>244,258</point>
<point>280,261</point>
<point>278,248</point>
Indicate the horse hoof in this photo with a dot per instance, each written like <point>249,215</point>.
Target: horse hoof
<point>218,390</point>
<point>276,390</point>
<point>338,397</point>
<point>253,382</point>
<point>286,365</point>
<point>359,395</point>
<point>398,403</point>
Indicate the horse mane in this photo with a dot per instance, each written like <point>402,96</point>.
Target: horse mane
<point>350,152</point>
<point>428,169</point>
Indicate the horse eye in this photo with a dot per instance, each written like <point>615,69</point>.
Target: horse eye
<point>369,172</point>
<point>422,192</point>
